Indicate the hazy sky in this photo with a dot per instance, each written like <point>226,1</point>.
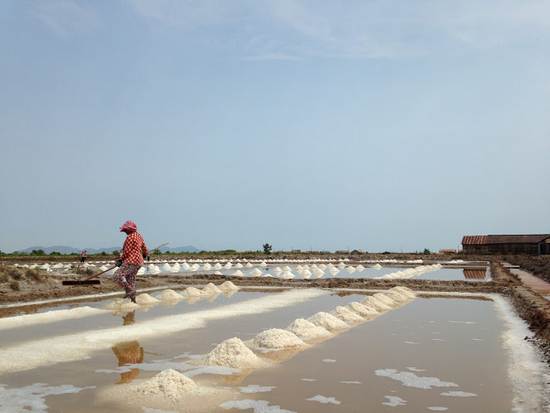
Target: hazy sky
<point>379,125</point>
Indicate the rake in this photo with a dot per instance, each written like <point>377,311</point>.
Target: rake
<point>91,279</point>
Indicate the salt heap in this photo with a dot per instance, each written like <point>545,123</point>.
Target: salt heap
<point>165,267</point>
<point>233,353</point>
<point>238,273</point>
<point>185,266</point>
<point>405,291</point>
<point>146,299</point>
<point>385,299</point>
<point>306,274</point>
<point>169,384</point>
<point>193,292</point>
<point>228,286</point>
<point>363,310</point>
<point>211,289</point>
<point>327,321</point>
<point>376,303</point>
<point>217,266</point>
<point>306,330</point>
<point>377,266</point>
<point>170,295</point>
<point>153,269</point>
<point>275,339</point>
<point>237,265</point>
<point>121,304</point>
<point>175,268</point>
<point>248,265</point>
<point>255,273</point>
<point>346,315</point>
<point>397,296</point>
<point>207,267</point>
<point>287,275</point>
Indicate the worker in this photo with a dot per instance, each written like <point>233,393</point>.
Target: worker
<point>131,259</point>
<point>83,256</point>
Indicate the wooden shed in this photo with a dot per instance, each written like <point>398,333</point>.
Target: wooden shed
<point>536,244</point>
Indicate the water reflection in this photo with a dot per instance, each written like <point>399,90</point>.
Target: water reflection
<point>128,352</point>
<point>129,318</point>
<point>475,273</point>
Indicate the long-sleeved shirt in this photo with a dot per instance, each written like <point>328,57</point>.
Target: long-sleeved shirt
<point>134,249</point>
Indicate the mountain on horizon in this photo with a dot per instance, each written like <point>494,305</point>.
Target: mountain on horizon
<point>63,249</point>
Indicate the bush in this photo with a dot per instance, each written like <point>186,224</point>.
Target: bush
<point>14,285</point>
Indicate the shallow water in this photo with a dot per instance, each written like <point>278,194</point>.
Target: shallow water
<point>445,273</point>
<point>372,367</point>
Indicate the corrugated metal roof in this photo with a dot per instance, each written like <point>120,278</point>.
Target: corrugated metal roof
<point>504,239</point>
<point>474,240</point>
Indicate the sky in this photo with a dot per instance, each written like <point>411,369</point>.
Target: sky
<point>379,125</point>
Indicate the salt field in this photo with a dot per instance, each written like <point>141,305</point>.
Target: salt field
<point>314,269</point>
<point>217,348</point>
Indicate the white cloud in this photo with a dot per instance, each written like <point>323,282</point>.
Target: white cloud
<point>65,16</point>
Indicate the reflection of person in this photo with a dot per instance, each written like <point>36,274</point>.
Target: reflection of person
<point>131,259</point>
<point>129,318</point>
<point>128,352</point>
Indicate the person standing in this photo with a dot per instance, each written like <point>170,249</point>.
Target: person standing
<point>131,259</point>
<point>83,256</point>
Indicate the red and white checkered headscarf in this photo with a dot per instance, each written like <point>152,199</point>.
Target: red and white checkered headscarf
<point>128,226</point>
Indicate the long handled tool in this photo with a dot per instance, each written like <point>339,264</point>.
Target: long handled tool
<point>91,279</point>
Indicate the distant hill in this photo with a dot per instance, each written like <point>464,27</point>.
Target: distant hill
<point>63,249</point>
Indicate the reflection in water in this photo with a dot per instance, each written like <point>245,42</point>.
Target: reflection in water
<point>128,352</point>
<point>129,318</point>
<point>475,273</point>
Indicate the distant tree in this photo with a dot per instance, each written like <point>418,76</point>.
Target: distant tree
<point>55,253</point>
<point>2,253</point>
<point>427,251</point>
<point>38,252</point>
<point>267,248</point>
<point>103,253</point>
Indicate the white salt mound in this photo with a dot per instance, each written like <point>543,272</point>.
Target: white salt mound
<point>228,286</point>
<point>377,304</point>
<point>346,315</point>
<point>405,291</point>
<point>397,296</point>
<point>121,304</point>
<point>170,295</point>
<point>276,339</point>
<point>169,384</point>
<point>306,330</point>
<point>327,321</point>
<point>212,289</point>
<point>385,299</point>
<point>146,299</point>
<point>362,310</point>
<point>193,292</point>
<point>233,353</point>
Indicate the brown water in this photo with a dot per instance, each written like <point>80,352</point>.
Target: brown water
<point>455,340</point>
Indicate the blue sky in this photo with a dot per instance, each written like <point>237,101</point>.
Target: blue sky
<point>379,125</point>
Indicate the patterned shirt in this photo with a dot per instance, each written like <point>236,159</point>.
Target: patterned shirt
<point>134,249</point>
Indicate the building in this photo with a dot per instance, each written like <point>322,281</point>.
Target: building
<point>536,244</point>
